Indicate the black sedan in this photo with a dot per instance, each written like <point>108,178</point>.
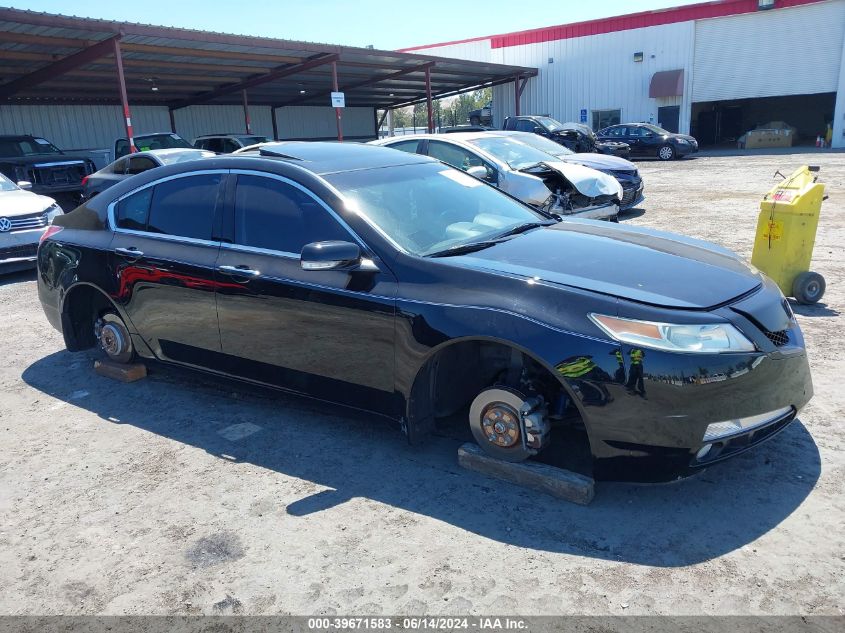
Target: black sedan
<point>576,136</point>
<point>135,164</point>
<point>649,140</point>
<point>391,282</point>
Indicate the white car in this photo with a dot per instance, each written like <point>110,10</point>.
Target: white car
<point>23,218</point>
<point>535,177</point>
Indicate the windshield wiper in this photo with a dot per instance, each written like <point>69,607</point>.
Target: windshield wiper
<point>522,228</point>
<point>460,249</point>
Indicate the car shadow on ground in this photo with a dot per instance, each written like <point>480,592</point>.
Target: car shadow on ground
<point>352,454</point>
<point>630,214</point>
<point>16,277</point>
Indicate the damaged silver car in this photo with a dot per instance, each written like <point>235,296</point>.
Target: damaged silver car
<point>535,177</point>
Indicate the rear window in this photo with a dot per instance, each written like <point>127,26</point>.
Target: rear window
<point>182,207</point>
<point>185,207</point>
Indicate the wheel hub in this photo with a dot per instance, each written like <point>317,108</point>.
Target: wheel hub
<point>501,424</point>
<point>111,340</point>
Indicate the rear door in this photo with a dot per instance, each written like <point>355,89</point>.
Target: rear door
<point>163,259</point>
<point>325,333</point>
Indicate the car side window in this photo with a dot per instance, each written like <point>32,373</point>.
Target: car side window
<point>524,125</point>
<point>617,131</point>
<point>274,215</point>
<point>119,167</point>
<point>454,155</point>
<point>185,207</point>
<point>140,164</point>
<point>229,146</point>
<point>406,146</point>
<point>132,211</point>
<point>637,132</point>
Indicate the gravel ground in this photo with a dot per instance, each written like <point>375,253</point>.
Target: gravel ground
<point>184,494</point>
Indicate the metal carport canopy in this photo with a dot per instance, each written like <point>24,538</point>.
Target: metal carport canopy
<point>57,59</point>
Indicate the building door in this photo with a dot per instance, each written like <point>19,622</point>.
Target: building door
<point>668,117</point>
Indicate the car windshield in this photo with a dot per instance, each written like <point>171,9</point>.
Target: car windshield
<point>429,208</point>
<point>657,130</point>
<point>542,143</point>
<point>517,155</point>
<point>160,141</point>
<point>6,184</point>
<point>27,146</point>
<point>170,158</point>
<point>550,124</point>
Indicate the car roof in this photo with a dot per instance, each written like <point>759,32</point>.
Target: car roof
<point>451,137</point>
<point>327,158</point>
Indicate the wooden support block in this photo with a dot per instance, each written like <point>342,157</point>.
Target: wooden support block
<point>121,372</point>
<point>560,483</point>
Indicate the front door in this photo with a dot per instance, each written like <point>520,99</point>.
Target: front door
<point>668,117</point>
<point>163,258</point>
<point>325,333</point>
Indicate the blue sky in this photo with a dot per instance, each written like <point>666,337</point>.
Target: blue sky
<point>384,24</point>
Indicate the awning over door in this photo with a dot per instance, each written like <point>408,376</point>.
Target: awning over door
<point>667,83</point>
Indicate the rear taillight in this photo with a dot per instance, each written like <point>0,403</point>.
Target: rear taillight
<point>84,180</point>
<point>50,231</point>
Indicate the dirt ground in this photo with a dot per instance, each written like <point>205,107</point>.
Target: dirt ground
<point>184,494</point>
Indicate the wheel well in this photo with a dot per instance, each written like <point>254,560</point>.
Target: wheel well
<point>82,306</point>
<point>454,375</point>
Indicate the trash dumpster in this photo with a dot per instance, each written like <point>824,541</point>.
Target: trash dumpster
<point>786,233</point>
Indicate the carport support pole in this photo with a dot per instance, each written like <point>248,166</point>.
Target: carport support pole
<point>172,120</point>
<point>275,125</point>
<point>337,113</point>
<point>428,100</point>
<point>246,113</point>
<point>516,94</point>
<point>124,99</point>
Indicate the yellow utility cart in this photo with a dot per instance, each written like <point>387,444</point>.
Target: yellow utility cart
<point>786,233</point>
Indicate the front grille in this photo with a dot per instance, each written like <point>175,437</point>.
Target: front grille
<point>628,196</point>
<point>58,175</point>
<point>778,338</point>
<point>15,252</point>
<point>28,221</point>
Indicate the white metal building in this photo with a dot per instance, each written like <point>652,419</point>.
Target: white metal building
<point>715,69</point>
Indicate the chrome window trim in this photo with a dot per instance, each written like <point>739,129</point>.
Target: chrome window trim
<point>161,236</point>
<point>258,251</point>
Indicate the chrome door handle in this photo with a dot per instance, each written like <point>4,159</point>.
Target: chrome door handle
<point>129,252</point>
<point>242,271</point>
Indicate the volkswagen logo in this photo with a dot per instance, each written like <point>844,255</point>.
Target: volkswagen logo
<point>5,225</point>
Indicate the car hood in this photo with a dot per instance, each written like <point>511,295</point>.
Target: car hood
<point>20,202</point>
<point>600,161</point>
<point>588,181</point>
<point>640,265</point>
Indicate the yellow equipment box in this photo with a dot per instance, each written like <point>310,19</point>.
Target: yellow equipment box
<point>786,233</point>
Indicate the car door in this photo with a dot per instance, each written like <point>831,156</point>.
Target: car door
<point>326,333</point>
<point>637,138</point>
<point>163,257</point>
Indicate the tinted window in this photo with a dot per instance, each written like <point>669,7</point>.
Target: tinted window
<point>406,146</point>
<point>616,131</point>
<point>119,166</point>
<point>637,132</point>
<point>132,210</point>
<point>229,146</point>
<point>277,216</point>
<point>524,125</point>
<point>185,206</point>
<point>139,164</point>
<point>453,155</point>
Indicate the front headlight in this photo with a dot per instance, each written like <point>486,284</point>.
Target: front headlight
<point>715,338</point>
<point>52,211</point>
<point>682,141</point>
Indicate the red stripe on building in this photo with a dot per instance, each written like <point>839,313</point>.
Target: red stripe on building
<point>703,11</point>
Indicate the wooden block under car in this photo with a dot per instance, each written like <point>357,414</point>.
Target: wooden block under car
<point>560,483</point>
<point>119,371</point>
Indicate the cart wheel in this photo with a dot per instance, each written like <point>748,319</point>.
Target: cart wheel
<point>808,287</point>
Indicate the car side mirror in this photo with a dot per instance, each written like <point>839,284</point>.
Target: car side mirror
<point>24,184</point>
<point>332,256</point>
<point>482,173</point>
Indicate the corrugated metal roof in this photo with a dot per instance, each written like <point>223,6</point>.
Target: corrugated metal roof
<point>188,66</point>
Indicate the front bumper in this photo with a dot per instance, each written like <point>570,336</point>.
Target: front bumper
<point>685,149</point>
<point>604,212</point>
<point>19,249</point>
<point>631,196</point>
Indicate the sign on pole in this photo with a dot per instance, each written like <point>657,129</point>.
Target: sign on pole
<point>583,115</point>
<point>338,100</point>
